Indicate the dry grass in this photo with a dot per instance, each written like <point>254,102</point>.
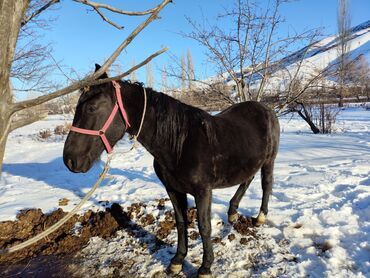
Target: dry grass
<point>62,129</point>
<point>45,134</point>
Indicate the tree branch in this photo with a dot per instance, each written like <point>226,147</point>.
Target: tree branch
<point>39,11</point>
<point>78,85</point>
<point>97,6</point>
<point>129,39</point>
<point>107,19</point>
<point>26,120</point>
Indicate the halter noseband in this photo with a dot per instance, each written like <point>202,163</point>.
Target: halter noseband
<point>101,133</point>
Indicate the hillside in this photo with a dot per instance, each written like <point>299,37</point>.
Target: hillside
<point>316,57</point>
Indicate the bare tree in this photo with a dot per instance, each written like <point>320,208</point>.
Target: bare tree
<point>307,93</point>
<point>149,75</point>
<point>183,74</point>
<point>33,63</point>
<point>358,78</point>
<point>344,25</point>
<point>164,79</point>
<point>15,15</point>
<point>190,70</point>
<point>319,116</point>
<point>133,76</point>
<point>249,52</point>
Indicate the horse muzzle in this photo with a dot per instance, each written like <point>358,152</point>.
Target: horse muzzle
<point>77,165</point>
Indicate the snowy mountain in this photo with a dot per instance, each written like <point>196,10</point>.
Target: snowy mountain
<point>316,57</point>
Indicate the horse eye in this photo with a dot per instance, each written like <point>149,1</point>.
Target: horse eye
<point>91,108</point>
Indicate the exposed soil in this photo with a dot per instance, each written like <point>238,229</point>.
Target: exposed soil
<point>245,226</point>
<point>50,256</point>
<point>192,217</point>
<point>70,238</point>
<point>231,237</point>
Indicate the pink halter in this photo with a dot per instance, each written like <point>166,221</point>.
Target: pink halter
<point>117,106</point>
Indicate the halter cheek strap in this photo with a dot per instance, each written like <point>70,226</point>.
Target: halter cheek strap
<point>101,133</point>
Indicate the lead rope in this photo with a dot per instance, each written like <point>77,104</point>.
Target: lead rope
<point>134,138</point>
<point>102,175</point>
<point>57,225</point>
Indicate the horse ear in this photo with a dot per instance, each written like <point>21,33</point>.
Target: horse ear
<point>104,75</point>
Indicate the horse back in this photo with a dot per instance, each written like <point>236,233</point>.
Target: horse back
<point>231,146</point>
<point>252,119</point>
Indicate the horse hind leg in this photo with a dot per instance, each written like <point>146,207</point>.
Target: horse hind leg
<point>235,201</point>
<point>267,181</point>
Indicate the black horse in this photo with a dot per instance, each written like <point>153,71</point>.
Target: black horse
<point>193,151</point>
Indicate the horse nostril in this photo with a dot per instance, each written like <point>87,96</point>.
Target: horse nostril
<point>70,163</point>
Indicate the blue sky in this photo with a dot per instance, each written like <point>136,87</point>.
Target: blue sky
<point>80,38</point>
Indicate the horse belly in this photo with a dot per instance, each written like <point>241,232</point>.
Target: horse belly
<point>235,171</point>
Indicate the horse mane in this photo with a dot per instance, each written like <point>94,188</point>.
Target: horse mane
<point>175,119</point>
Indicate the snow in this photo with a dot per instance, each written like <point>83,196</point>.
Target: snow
<point>321,55</point>
<point>319,214</point>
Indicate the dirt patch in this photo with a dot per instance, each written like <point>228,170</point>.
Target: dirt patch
<point>231,237</point>
<point>41,267</point>
<point>324,246</point>
<point>70,238</point>
<point>217,240</point>
<point>63,202</point>
<point>161,203</point>
<point>194,235</point>
<point>151,230</point>
<point>192,217</point>
<point>136,210</point>
<point>147,219</point>
<point>245,226</point>
<point>165,228</point>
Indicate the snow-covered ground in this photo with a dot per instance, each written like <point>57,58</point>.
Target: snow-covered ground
<point>319,56</point>
<point>318,224</point>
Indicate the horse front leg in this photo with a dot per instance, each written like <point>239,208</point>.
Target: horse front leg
<point>180,205</point>
<point>203,200</point>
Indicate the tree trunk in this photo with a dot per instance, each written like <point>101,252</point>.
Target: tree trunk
<point>5,118</point>
<point>11,15</point>
<point>4,130</point>
<point>2,152</point>
<point>340,103</point>
<point>307,118</point>
<point>240,89</point>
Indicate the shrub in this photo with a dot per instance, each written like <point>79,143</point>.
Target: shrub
<point>44,134</point>
<point>62,129</point>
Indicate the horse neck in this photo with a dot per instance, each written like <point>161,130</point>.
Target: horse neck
<point>149,136</point>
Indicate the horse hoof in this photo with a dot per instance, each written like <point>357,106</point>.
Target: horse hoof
<point>233,218</point>
<point>204,275</point>
<point>175,268</point>
<point>261,219</point>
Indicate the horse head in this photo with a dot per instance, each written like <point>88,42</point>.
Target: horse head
<point>97,125</point>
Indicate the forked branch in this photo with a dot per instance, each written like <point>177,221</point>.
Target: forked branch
<point>129,39</point>
<point>38,11</point>
<point>99,6</point>
<point>80,84</point>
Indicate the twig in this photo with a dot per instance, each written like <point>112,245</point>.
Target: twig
<point>39,11</point>
<point>115,10</point>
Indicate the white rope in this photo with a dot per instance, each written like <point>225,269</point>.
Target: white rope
<point>61,221</point>
<point>134,145</point>
<point>82,202</point>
